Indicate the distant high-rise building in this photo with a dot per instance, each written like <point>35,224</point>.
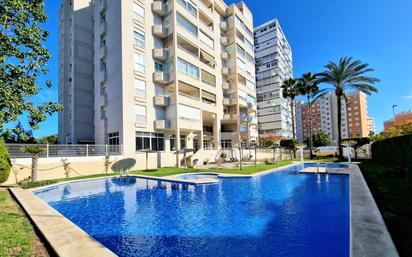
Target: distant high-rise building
<point>371,125</point>
<point>399,119</point>
<point>273,66</point>
<point>76,72</point>
<point>157,75</point>
<point>325,117</point>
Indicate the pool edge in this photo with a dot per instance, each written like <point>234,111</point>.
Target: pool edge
<point>63,236</point>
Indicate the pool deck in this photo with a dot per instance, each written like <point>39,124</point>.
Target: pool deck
<point>369,235</point>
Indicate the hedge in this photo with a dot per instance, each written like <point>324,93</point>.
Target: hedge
<point>5,163</point>
<point>395,152</point>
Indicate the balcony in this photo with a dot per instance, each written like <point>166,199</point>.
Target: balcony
<point>251,107</point>
<point>161,77</point>
<point>103,76</point>
<point>102,28</point>
<point>103,52</point>
<point>160,54</point>
<point>224,41</point>
<point>159,8</point>
<point>225,71</point>
<point>161,100</point>
<point>225,85</point>
<point>227,101</point>
<point>223,26</point>
<point>159,31</point>
<point>229,117</point>
<point>162,124</point>
<point>224,55</point>
<point>102,6</point>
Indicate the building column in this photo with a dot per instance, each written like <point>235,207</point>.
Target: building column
<point>216,132</point>
<point>177,144</point>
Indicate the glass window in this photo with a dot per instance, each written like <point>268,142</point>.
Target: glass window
<point>139,62</point>
<point>173,142</point>
<point>140,112</point>
<point>152,141</point>
<point>240,50</point>
<point>187,68</point>
<point>226,144</point>
<point>206,39</point>
<point>113,138</point>
<point>139,88</point>
<point>139,12</point>
<point>250,84</point>
<point>139,38</point>
<point>182,21</point>
<point>158,66</point>
<point>188,6</point>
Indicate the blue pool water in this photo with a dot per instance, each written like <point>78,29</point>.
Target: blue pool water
<point>197,176</point>
<point>278,214</point>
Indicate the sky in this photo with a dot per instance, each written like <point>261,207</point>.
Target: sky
<point>378,32</point>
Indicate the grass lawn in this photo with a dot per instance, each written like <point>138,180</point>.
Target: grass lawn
<point>17,236</point>
<point>394,198</point>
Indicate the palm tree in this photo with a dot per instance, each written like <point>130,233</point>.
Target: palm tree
<point>290,90</point>
<point>344,75</point>
<point>35,152</point>
<point>308,85</point>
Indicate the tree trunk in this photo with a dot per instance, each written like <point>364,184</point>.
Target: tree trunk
<point>292,106</point>
<point>34,169</point>
<point>339,102</point>
<point>310,128</point>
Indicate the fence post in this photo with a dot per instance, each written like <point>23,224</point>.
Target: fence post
<point>87,150</point>
<point>47,150</point>
<point>105,149</point>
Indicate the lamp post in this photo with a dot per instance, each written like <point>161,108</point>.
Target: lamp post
<point>393,109</point>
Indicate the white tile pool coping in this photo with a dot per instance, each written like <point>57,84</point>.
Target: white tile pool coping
<point>369,236</point>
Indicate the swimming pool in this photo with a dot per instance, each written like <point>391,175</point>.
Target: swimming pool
<point>278,214</point>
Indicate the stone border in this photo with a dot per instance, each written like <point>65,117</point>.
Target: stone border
<point>64,237</point>
<point>368,233</point>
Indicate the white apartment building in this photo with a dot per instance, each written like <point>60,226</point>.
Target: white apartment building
<point>371,125</point>
<point>167,74</point>
<point>273,66</point>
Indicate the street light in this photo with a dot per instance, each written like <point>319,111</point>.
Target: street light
<point>393,109</point>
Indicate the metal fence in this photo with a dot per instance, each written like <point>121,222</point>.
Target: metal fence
<point>51,150</point>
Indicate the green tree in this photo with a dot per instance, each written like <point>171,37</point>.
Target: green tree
<point>308,85</point>
<point>5,163</point>
<point>18,134</point>
<point>23,60</point>
<point>344,75</point>
<point>320,138</point>
<point>35,152</point>
<point>51,139</point>
<point>290,90</point>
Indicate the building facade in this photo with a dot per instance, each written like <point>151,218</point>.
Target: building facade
<point>170,74</point>
<point>399,119</point>
<point>76,72</point>
<point>354,111</point>
<point>273,66</point>
<point>371,125</point>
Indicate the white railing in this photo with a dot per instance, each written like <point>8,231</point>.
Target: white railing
<point>54,150</point>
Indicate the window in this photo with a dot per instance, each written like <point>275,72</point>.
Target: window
<point>206,39</point>
<point>113,138</point>
<point>189,113</point>
<point>182,21</point>
<point>188,6</point>
<point>158,66</point>
<point>139,12</point>
<point>151,141</point>
<point>139,88</point>
<point>140,112</point>
<point>226,144</point>
<point>139,62</point>
<point>208,78</point>
<point>250,85</point>
<point>139,38</point>
<point>173,142</point>
<point>187,68</point>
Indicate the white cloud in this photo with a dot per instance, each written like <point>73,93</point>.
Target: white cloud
<point>408,96</point>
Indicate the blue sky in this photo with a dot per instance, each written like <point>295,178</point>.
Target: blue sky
<point>375,31</point>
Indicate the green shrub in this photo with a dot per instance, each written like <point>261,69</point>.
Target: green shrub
<point>395,152</point>
<point>288,143</point>
<point>5,163</point>
<point>28,184</point>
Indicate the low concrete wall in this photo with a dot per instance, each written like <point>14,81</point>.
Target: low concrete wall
<point>52,168</point>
